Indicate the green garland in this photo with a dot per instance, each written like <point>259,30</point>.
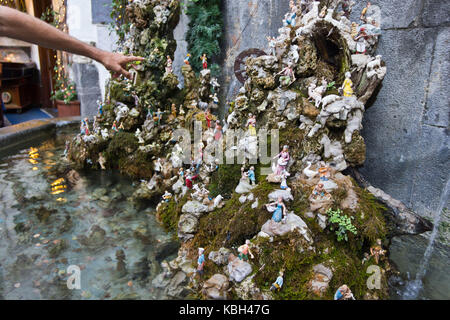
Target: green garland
<point>205,33</point>
<point>118,13</point>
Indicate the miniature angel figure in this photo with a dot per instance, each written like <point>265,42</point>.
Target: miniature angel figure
<point>66,150</point>
<point>82,127</point>
<point>121,127</point>
<point>217,131</point>
<point>186,60</point>
<point>377,251</point>
<point>173,112</point>
<point>371,27</point>
<point>244,175</point>
<point>288,76</point>
<point>105,133</point>
<point>208,118</point>
<point>363,16</point>
<point>278,208</point>
<point>251,175</point>
<point>86,126</point>
<point>200,261</point>
<point>278,283</point>
<point>214,84</point>
<point>157,116</point>
<point>189,179</point>
<point>181,174</point>
<point>347,6</point>
<point>284,176</point>
<point>136,98</point>
<point>244,251</point>
<point>290,20</point>
<point>138,135</point>
<point>158,165</point>
<point>319,191</point>
<point>101,161</point>
<point>347,85</point>
<point>324,172</point>
<point>215,99</point>
<point>361,41</point>
<point>344,293</point>
<point>251,124</point>
<point>354,30</point>
<point>167,196</point>
<point>323,12</point>
<point>182,113</point>
<point>169,65</point>
<point>204,61</point>
<point>283,160</point>
<point>100,107</point>
<point>199,162</point>
<point>272,45</point>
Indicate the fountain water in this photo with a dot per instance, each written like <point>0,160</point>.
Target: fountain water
<point>413,287</point>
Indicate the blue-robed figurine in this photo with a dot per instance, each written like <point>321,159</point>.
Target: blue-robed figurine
<point>290,20</point>
<point>278,208</point>
<point>200,261</point>
<point>344,293</point>
<point>278,283</point>
<point>251,175</point>
<point>100,107</point>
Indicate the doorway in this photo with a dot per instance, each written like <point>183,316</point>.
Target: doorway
<point>47,59</point>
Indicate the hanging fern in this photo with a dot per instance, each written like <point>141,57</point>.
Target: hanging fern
<point>205,32</point>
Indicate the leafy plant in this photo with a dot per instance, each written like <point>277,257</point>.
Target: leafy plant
<point>331,85</point>
<point>119,24</point>
<point>65,89</point>
<point>205,32</point>
<point>52,17</point>
<point>342,223</point>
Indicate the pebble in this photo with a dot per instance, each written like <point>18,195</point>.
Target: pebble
<point>17,285</point>
<point>130,283</point>
<point>37,235</point>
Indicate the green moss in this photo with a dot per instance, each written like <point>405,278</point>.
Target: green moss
<point>121,145</point>
<point>225,180</point>
<point>235,222</point>
<point>285,253</point>
<point>169,213</point>
<point>370,221</point>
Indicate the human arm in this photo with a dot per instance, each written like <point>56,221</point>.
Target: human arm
<point>18,25</point>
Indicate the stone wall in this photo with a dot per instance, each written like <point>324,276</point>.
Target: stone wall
<point>406,128</point>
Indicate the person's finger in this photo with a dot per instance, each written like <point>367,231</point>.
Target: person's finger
<point>126,73</point>
<point>133,58</point>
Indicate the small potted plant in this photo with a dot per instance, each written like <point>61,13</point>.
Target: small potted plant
<point>66,98</point>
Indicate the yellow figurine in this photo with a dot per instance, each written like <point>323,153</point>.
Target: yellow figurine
<point>354,31</point>
<point>347,85</point>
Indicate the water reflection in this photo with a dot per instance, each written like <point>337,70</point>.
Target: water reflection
<point>52,217</point>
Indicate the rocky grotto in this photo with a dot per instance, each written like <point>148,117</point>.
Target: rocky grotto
<point>299,226</point>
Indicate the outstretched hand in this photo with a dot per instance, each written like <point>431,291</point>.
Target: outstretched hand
<point>117,63</point>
